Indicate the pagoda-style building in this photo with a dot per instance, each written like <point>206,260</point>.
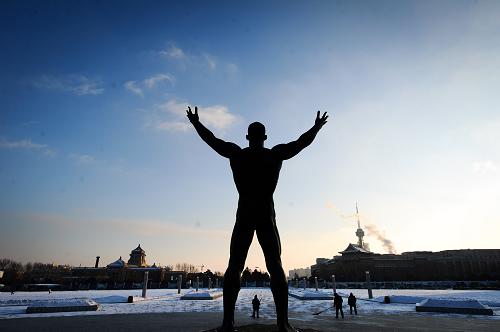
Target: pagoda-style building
<point>137,257</point>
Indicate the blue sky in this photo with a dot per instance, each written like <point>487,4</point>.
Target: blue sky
<point>96,154</point>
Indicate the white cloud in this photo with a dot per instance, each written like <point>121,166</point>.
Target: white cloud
<point>202,59</point>
<point>485,166</point>
<point>154,80</point>
<point>132,87</point>
<point>26,144</point>
<point>174,107</point>
<point>79,85</point>
<point>217,116</point>
<point>138,88</point>
<point>173,52</point>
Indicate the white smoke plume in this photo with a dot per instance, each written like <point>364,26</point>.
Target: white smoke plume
<point>386,243</point>
<point>371,228</point>
<point>339,214</point>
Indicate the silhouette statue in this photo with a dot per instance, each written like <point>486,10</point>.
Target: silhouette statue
<point>255,172</point>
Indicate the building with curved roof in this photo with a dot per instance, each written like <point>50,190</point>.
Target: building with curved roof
<point>137,257</point>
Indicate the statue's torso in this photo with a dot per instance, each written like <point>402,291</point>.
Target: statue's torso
<point>255,173</point>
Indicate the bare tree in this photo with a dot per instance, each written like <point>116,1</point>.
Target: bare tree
<point>186,267</point>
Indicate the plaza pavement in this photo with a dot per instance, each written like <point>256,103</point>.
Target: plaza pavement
<point>202,321</point>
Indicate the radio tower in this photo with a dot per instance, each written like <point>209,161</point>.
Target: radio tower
<point>359,232</point>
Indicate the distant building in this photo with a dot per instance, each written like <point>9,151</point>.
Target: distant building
<point>299,273</point>
<point>118,264</point>
<point>447,265</point>
<point>137,257</point>
<point>120,274</point>
<point>457,265</point>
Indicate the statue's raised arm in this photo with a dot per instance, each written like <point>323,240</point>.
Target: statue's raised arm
<point>225,149</point>
<point>289,150</point>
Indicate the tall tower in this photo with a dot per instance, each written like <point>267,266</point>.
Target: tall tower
<point>359,232</point>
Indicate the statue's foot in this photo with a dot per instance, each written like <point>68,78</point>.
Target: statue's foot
<point>226,328</point>
<point>286,328</point>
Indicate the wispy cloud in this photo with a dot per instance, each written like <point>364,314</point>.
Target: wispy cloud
<point>173,52</point>
<point>141,227</point>
<point>134,88</point>
<point>159,228</point>
<point>138,88</point>
<point>348,217</point>
<point>109,166</point>
<point>210,60</point>
<point>79,85</point>
<point>26,144</point>
<point>202,59</point>
<point>158,78</point>
<point>173,126</point>
<point>217,116</point>
<point>83,159</point>
<point>485,166</point>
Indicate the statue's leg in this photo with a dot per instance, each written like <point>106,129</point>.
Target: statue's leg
<point>240,242</point>
<point>267,234</point>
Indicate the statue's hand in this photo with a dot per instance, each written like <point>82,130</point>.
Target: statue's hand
<point>320,121</point>
<point>193,117</point>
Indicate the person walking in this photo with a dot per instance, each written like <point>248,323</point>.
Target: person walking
<point>337,302</point>
<point>351,301</point>
<point>256,171</point>
<point>255,305</point>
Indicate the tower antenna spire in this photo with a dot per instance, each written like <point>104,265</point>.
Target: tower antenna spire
<point>357,214</point>
<point>359,231</point>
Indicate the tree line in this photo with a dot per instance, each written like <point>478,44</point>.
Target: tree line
<point>16,272</point>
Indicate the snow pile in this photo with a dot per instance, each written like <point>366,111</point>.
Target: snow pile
<point>464,306</point>
<point>451,303</point>
<point>202,295</point>
<point>63,306</point>
<point>310,295</point>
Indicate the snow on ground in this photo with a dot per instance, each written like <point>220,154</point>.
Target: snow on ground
<point>167,300</point>
<point>202,295</point>
<point>63,303</point>
<point>455,303</point>
<point>307,294</point>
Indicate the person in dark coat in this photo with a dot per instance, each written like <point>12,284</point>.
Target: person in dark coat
<point>255,305</point>
<point>337,302</point>
<point>351,301</point>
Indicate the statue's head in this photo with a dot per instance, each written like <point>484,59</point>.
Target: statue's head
<point>256,133</point>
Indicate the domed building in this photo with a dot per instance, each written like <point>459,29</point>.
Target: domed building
<point>118,264</point>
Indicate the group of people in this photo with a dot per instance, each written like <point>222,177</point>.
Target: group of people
<point>337,303</point>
